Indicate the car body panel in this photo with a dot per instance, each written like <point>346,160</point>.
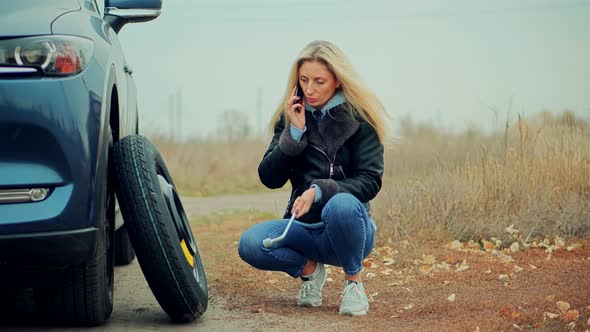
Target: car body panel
<point>52,124</point>
<point>54,133</point>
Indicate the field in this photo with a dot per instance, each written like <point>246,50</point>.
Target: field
<point>534,174</point>
<point>476,232</point>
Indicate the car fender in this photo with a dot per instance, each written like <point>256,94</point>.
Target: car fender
<point>109,56</point>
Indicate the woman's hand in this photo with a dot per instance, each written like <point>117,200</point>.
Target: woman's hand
<point>297,110</point>
<point>303,203</point>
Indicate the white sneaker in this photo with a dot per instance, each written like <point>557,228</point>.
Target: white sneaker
<point>354,299</point>
<point>310,293</point>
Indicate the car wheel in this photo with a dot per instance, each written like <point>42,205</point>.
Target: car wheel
<point>84,294</point>
<point>159,229</point>
<point>124,253</point>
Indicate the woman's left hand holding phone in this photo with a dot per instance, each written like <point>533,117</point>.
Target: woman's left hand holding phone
<point>297,109</point>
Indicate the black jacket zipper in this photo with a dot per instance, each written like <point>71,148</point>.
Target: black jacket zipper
<point>331,161</point>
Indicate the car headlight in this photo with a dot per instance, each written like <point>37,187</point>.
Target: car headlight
<point>53,55</point>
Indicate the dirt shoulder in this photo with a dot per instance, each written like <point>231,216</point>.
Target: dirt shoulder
<point>434,287</point>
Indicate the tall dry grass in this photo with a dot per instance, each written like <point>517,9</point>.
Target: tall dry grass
<point>206,168</point>
<point>535,174</point>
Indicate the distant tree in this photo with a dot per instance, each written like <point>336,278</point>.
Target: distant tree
<point>233,126</point>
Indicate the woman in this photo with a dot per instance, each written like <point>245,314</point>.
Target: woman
<point>328,143</point>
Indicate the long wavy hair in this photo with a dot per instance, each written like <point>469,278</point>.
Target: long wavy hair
<point>360,100</point>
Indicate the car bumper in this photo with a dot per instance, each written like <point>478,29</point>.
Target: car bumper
<point>39,259</point>
<point>54,249</point>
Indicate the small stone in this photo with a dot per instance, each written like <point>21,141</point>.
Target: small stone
<point>425,269</point>
<point>462,267</point>
<point>503,257</point>
<point>372,297</point>
<point>563,306</point>
<point>503,277</point>
<point>452,297</point>
<point>518,269</point>
<point>550,315</point>
<point>455,245</point>
<point>388,261</point>
<point>514,247</point>
<point>559,242</point>
<point>429,260</point>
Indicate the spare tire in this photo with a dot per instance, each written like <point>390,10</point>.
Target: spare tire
<point>159,229</point>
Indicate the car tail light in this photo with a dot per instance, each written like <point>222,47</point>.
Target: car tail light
<point>52,55</point>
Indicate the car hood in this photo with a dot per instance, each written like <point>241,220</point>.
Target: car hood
<point>31,17</point>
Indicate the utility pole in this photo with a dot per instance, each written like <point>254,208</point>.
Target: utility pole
<point>259,112</point>
<point>179,113</point>
<point>171,114</point>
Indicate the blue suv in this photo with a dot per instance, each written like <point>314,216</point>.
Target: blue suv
<point>67,95</point>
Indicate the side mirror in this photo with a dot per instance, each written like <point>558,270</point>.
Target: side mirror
<point>120,12</point>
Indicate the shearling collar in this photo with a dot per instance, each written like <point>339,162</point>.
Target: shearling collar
<point>333,130</point>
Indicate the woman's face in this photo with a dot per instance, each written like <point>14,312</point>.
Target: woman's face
<point>317,82</point>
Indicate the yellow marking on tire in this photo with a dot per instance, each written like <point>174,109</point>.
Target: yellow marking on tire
<point>189,258</point>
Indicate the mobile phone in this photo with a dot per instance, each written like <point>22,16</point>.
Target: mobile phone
<point>299,93</point>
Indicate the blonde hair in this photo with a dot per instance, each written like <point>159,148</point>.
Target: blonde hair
<point>361,100</point>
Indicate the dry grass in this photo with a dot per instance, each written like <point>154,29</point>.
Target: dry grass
<point>205,168</point>
<point>535,175</point>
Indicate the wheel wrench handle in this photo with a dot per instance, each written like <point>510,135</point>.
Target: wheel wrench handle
<point>268,242</point>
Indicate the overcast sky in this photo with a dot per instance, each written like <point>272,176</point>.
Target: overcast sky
<point>445,62</point>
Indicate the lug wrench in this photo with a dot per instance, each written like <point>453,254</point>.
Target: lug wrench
<point>269,242</point>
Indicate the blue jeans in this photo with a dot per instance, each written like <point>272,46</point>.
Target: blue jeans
<point>344,237</point>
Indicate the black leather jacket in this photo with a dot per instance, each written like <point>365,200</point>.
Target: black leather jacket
<point>341,153</point>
